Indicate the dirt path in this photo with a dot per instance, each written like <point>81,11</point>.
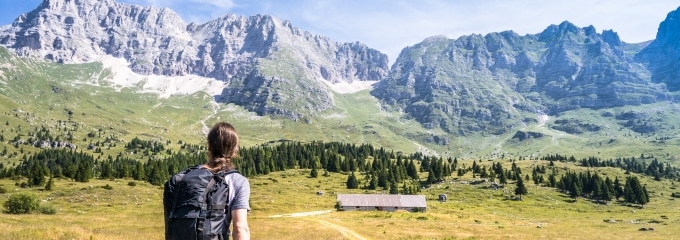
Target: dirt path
<point>345,232</point>
<point>215,107</point>
<point>302,214</point>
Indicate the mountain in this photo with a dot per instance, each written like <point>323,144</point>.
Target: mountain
<point>268,65</point>
<point>565,89</point>
<point>662,56</point>
<point>491,83</point>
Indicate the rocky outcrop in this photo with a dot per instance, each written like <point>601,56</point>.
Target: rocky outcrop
<point>521,135</point>
<point>252,54</point>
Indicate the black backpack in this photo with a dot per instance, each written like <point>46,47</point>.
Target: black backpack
<point>195,203</point>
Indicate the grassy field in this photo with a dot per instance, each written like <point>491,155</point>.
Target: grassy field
<point>89,211</point>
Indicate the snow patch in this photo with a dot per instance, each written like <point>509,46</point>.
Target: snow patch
<point>164,86</point>
<point>334,115</point>
<point>345,87</point>
<point>542,119</point>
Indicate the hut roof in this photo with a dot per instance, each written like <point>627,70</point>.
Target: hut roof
<point>382,200</point>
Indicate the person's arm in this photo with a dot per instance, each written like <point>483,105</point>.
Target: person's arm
<point>239,218</point>
<point>239,211</point>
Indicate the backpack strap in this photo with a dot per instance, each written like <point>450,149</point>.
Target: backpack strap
<point>220,175</point>
<point>206,193</point>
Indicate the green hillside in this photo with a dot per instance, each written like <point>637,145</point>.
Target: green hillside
<point>76,102</point>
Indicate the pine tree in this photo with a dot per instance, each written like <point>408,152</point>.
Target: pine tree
<point>372,184</point>
<point>393,188</point>
<point>139,171</point>
<point>502,179</point>
<point>314,173</point>
<point>618,189</point>
<point>606,194</point>
<point>50,185</point>
<point>520,189</point>
<point>644,196</point>
<point>352,182</point>
<point>431,178</point>
<point>36,174</point>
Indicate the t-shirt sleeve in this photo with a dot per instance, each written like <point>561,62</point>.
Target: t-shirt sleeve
<point>241,195</point>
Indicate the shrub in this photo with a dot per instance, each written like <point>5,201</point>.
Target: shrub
<point>49,210</point>
<point>21,203</point>
<point>132,184</point>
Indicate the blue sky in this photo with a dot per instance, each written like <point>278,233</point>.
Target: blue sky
<point>390,25</point>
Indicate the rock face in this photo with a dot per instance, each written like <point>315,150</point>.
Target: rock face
<point>486,83</point>
<point>662,55</point>
<point>270,66</point>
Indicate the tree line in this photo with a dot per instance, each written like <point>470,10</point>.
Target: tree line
<point>381,169</point>
<point>82,166</point>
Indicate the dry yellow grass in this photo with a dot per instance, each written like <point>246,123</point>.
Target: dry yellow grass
<point>88,211</point>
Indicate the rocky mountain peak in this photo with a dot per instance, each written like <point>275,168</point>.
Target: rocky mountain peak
<point>250,54</point>
<point>612,38</point>
<point>463,86</point>
<point>559,31</point>
<point>662,56</point>
<point>669,29</point>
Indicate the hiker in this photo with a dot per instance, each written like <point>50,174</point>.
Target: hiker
<point>187,217</point>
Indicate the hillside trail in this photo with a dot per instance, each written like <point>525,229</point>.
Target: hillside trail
<point>345,232</point>
<point>349,234</point>
<point>215,109</point>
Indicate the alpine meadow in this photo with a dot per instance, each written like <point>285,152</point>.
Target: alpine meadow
<point>569,133</point>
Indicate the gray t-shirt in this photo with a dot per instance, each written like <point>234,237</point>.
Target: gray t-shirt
<point>239,193</point>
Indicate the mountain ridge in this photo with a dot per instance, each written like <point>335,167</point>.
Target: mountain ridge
<point>231,49</point>
<point>496,85</point>
<point>489,82</point>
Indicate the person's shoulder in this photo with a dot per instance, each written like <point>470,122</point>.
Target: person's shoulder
<point>236,176</point>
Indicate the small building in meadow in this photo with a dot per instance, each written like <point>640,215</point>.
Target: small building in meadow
<point>381,202</point>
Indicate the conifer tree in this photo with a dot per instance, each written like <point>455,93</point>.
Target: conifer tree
<point>618,189</point>
<point>50,185</point>
<point>502,179</point>
<point>314,173</point>
<point>520,189</point>
<point>352,182</point>
<point>644,196</point>
<point>393,188</point>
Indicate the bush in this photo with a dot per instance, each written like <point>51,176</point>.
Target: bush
<point>21,203</point>
<point>49,210</point>
<point>132,184</point>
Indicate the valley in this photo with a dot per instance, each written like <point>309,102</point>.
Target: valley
<point>100,104</point>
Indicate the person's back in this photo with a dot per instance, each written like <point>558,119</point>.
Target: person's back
<point>195,202</point>
<point>230,205</point>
